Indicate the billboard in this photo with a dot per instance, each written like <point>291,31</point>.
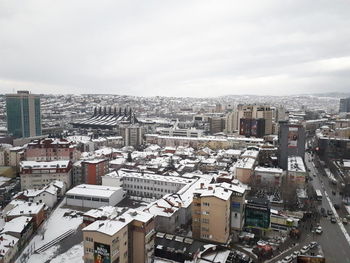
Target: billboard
<point>293,137</point>
<point>102,253</point>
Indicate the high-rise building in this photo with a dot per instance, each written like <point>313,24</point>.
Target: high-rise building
<point>291,140</point>
<point>132,134</point>
<point>255,112</point>
<point>252,127</point>
<point>344,105</point>
<point>23,114</point>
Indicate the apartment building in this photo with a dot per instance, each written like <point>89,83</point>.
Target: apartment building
<point>38,174</point>
<point>93,170</point>
<point>51,150</point>
<point>127,238</point>
<point>211,214</point>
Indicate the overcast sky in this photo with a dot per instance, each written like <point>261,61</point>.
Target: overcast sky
<point>175,48</point>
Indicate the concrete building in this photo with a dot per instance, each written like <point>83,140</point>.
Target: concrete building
<point>127,238</point>
<point>18,208</point>
<point>211,214</point>
<point>291,140</point>
<point>344,105</point>
<point>216,124</point>
<point>93,170</point>
<point>51,150</point>
<point>192,132</point>
<point>296,171</point>
<point>267,176</point>
<point>231,124</point>
<point>255,112</point>
<point>145,184</point>
<point>132,134</point>
<point>38,174</point>
<point>23,114</point>
<point>244,169</point>
<point>8,248</point>
<point>19,227</point>
<point>94,196</point>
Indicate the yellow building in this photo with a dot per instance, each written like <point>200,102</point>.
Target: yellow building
<point>127,238</point>
<point>211,214</point>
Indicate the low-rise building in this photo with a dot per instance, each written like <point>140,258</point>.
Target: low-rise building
<point>46,195</point>
<point>296,172</point>
<point>8,248</point>
<point>244,169</point>
<point>19,227</point>
<point>267,176</point>
<point>94,196</point>
<point>18,208</point>
<point>145,184</point>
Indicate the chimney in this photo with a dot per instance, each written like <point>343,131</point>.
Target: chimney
<point>210,188</point>
<point>202,185</point>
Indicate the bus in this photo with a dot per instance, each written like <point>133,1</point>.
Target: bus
<point>318,195</point>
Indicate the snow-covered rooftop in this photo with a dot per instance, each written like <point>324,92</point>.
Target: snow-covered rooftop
<point>93,190</point>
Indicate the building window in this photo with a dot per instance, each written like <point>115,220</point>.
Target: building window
<point>205,204</point>
<point>205,220</point>
<point>89,239</point>
<point>205,212</point>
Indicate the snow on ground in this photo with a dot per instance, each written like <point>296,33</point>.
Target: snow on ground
<point>52,228</point>
<point>73,255</point>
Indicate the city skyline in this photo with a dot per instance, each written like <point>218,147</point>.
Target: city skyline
<point>192,49</point>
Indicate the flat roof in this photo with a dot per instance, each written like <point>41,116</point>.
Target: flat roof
<point>93,190</point>
<point>245,163</point>
<point>296,164</point>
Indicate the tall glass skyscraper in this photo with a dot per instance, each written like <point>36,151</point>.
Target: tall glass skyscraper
<point>23,114</point>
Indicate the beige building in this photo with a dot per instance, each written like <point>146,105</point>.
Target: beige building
<point>127,238</point>
<point>255,112</point>
<point>211,214</point>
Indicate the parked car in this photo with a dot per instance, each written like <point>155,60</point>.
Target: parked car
<point>305,249</point>
<point>287,259</point>
<point>319,230</point>
<point>313,244</point>
<point>296,253</point>
<point>329,212</point>
<point>336,206</point>
<point>333,220</point>
<point>345,221</point>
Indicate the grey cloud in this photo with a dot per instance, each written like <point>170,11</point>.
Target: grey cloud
<point>180,48</point>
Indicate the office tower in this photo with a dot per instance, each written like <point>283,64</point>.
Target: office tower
<point>256,112</point>
<point>344,105</point>
<point>291,140</point>
<point>23,114</point>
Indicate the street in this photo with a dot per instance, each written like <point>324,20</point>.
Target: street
<point>334,242</point>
